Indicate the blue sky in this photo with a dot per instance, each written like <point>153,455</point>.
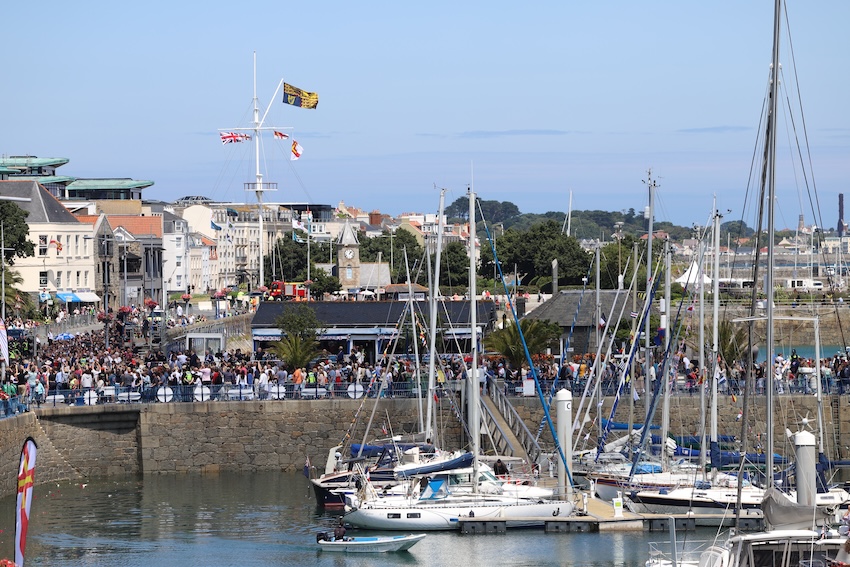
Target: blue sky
<point>528,100</point>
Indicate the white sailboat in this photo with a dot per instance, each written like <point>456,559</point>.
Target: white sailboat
<point>432,504</point>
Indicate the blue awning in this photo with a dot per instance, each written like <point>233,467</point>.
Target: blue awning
<point>67,297</point>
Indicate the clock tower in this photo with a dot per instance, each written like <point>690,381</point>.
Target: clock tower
<point>348,257</point>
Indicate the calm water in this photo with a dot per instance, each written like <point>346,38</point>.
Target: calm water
<point>258,519</point>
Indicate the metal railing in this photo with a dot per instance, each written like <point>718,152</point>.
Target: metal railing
<point>501,443</point>
<point>517,425</point>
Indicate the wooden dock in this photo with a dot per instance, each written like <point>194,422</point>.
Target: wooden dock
<point>600,517</point>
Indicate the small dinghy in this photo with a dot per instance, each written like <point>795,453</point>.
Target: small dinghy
<point>374,544</point>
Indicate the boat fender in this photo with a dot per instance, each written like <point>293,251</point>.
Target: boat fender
<point>557,512</point>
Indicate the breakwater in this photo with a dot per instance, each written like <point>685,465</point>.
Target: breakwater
<point>79,442</point>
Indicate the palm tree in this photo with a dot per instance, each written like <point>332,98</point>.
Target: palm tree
<point>731,341</point>
<point>539,335</point>
<point>296,351</point>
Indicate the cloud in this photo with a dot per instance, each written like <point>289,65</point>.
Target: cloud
<point>715,130</point>
<point>510,133</point>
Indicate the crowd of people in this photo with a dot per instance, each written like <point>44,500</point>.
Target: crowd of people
<point>67,369</point>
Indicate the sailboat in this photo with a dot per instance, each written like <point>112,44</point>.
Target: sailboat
<point>797,534</point>
<point>430,503</point>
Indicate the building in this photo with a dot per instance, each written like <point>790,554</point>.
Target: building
<point>64,265</point>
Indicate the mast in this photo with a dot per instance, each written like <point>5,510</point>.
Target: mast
<point>701,369</point>
<point>598,319</point>
<point>647,330</point>
<point>664,374</point>
<point>258,188</point>
<point>432,331</point>
<point>771,230</point>
<point>415,341</point>
<point>715,332</point>
<point>474,401</point>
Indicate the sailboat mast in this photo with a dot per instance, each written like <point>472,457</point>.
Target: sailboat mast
<point>432,331</point>
<point>474,419</point>
<point>701,372</point>
<point>771,230</point>
<point>647,345</point>
<point>415,340</point>
<point>664,374</point>
<point>715,332</point>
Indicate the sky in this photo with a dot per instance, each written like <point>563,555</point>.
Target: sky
<point>527,102</point>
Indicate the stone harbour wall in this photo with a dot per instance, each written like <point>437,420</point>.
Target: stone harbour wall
<point>76,443</point>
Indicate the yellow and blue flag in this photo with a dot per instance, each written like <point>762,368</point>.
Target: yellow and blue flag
<point>297,97</point>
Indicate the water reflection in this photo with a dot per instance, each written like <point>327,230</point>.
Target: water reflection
<point>257,519</point>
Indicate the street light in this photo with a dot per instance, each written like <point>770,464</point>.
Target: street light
<point>618,228</point>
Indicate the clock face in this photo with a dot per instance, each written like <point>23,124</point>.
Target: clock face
<point>349,253</point>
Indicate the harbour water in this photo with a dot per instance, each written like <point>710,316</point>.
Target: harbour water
<point>264,519</point>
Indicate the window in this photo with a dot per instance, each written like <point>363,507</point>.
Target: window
<point>42,279</point>
<point>76,245</point>
<point>86,278</point>
<point>59,279</point>
<point>42,246</point>
<point>179,280</point>
<point>78,278</point>
<point>179,261</point>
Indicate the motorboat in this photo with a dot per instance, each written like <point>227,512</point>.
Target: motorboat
<point>368,544</point>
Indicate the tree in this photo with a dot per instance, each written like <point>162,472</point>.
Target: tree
<point>295,351</point>
<point>539,335</point>
<point>323,283</point>
<point>454,270</point>
<point>299,319</point>
<point>298,325</point>
<point>493,211</point>
<point>531,253</point>
<point>15,232</point>
<point>392,250</point>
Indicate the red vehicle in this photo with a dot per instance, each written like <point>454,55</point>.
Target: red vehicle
<point>283,291</point>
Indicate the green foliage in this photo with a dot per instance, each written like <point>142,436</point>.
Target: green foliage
<point>454,268</point>
<point>392,250</point>
<point>296,351</point>
<point>539,335</point>
<point>732,341</point>
<point>494,211</point>
<point>323,283</point>
<point>15,232</point>
<point>299,319</point>
<point>290,260</point>
<point>531,253</point>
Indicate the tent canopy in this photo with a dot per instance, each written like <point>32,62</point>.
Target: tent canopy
<point>691,276</point>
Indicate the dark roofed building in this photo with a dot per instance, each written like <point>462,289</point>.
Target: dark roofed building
<point>578,306</point>
<point>370,324</point>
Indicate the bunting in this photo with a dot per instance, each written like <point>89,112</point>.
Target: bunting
<point>280,135</point>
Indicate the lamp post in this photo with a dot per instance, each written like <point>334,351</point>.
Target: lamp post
<point>618,230</point>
